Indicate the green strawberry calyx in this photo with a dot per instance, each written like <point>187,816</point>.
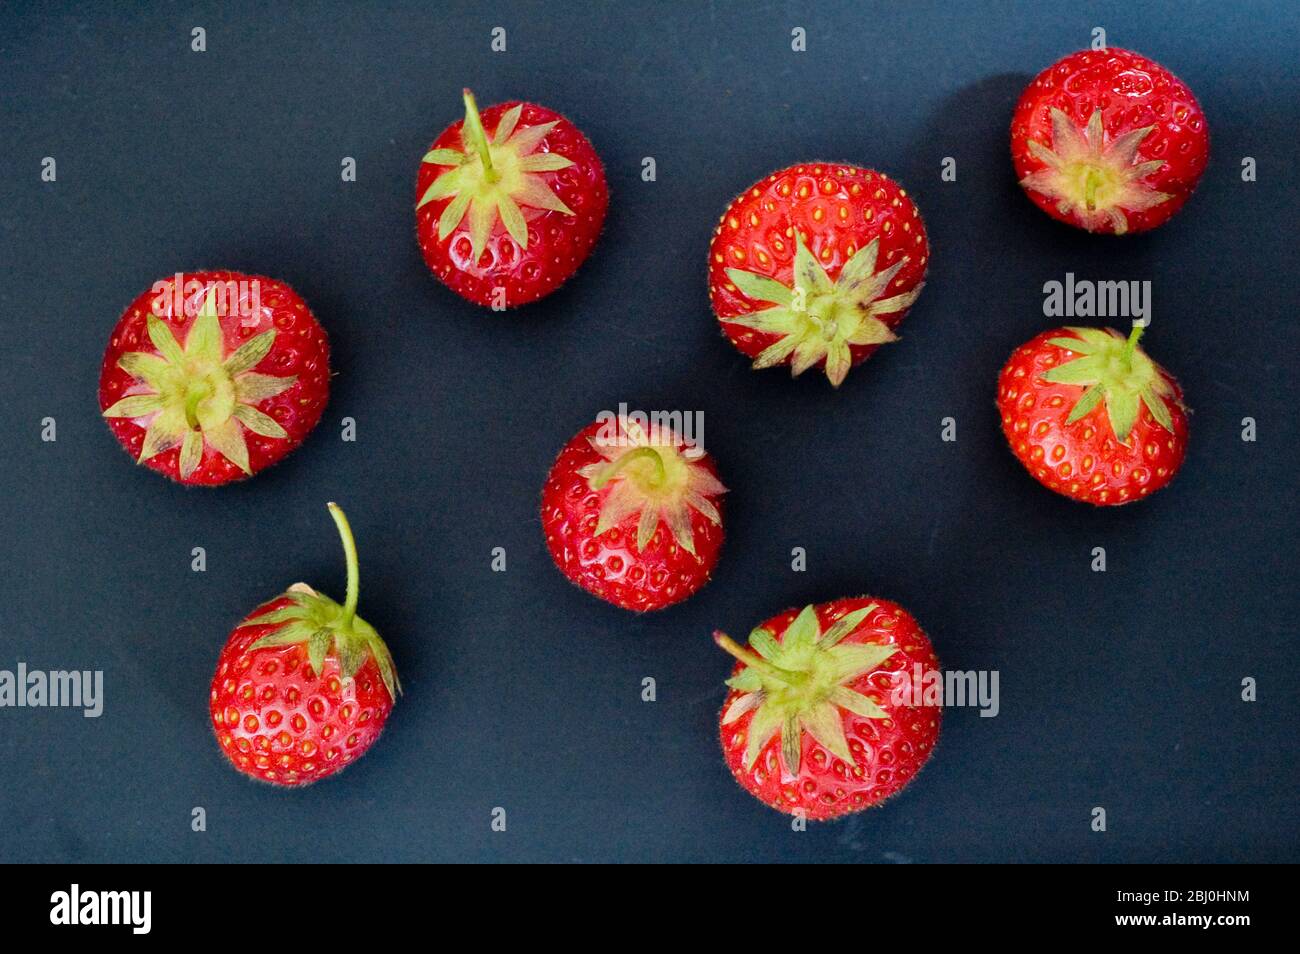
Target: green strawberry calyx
<point>197,396</point>
<point>801,684</point>
<point>325,626</point>
<point>646,473</point>
<point>1092,178</point>
<point>818,319</point>
<point>1115,372</point>
<point>492,178</point>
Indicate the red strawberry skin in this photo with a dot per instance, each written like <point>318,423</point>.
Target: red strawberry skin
<point>558,244</point>
<point>278,721</point>
<point>300,350</point>
<point>1132,93</point>
<point>888,753</point>
<point>1083,460</point>
<point>609,565</point>
<point>837,209</point>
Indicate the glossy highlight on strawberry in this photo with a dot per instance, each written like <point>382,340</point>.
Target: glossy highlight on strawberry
<point>509,203</point>
<point>213,376</point>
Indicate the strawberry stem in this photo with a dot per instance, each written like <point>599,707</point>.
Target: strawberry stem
<point>477,135</point>
<point>754,661</point>
<point>1090,189</point>
<point>641,453</point>
<point>196,392</point>
<point>354,569</point>
<point>1131,345</point>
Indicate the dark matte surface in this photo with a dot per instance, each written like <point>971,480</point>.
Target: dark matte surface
<point>1119,689</point>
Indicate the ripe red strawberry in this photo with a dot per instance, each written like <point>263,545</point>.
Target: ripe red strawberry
<point>816,265</point>
<point>1091,416</point>
<point>506,217</point>
<point>211,377</point>
<point>632,514</point>
<point>811,723</point>
<point>1109,141</point>
<point>303,686</point>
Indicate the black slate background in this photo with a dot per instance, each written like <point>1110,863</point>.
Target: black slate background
<point>1119,690</point>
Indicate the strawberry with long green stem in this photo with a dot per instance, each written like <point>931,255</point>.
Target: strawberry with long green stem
<point>304,685</point>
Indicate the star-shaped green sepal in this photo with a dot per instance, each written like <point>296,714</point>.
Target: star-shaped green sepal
<point>818,319</point>
<point>491,179</point>
<point>1113,370</point>
<point>650,476</point>
<point>801,684</point>
<point>197,395</point>
<point>325,626</point>
<point>1095,179</point>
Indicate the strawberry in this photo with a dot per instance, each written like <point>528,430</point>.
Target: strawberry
<point>632,514</point>
<point>1109,141</point>
<point>506,220</point>
<point>303,685</point>
<point>816,265</point>
<point>213,376</point>
<point>1091,416</point>
<point>811,724</point>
